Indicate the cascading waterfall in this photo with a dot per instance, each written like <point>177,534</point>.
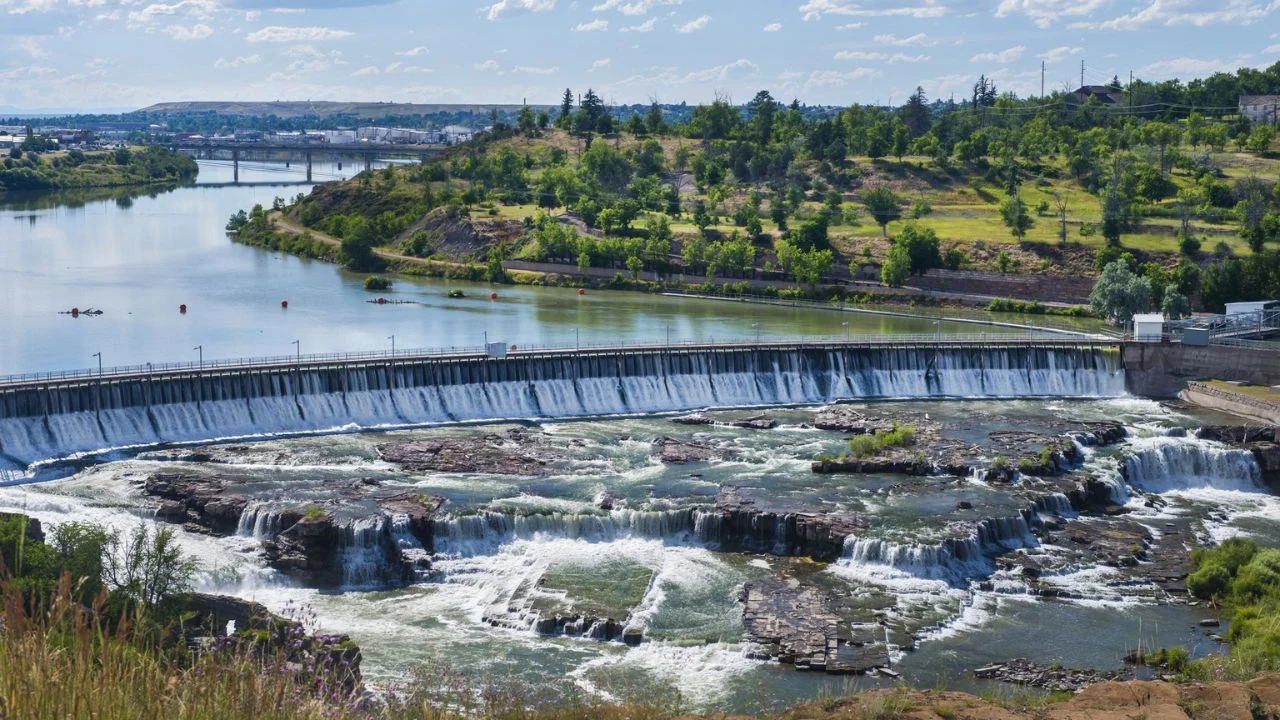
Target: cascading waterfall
<point>480,533</point>
<point>260,521</point>
<point>1160,464</point>
<point>952,559</point>
<point>45,422</point>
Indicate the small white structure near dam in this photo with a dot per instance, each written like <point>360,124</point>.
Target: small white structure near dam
<point>1148,327</point>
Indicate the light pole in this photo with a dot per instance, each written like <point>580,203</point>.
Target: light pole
<point>576,345</point>
<point>392,338</point>
<point>846,330</point>
<point>199,373</point>
<point>200,349</point>
<point>391,367</point>
<point>297,349</point>
<point>97,410</point>
<point>756,325</point>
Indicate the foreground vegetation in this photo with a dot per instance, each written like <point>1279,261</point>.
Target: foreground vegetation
<point>768,194</point>
<point>78,169</point>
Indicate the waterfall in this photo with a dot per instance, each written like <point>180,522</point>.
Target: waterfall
<point>479,533</point>
<point>1055,504</point>
<point>48,422</point>
<point>1161,464</point>
<point>260,521</point>
<point>953,559</point>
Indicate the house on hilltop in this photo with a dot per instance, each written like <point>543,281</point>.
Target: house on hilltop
<point>1260,108</point>
<point>1105,94</point>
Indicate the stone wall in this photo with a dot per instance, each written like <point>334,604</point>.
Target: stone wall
<point>1162,370</point>
<point>1045,288</point>
<point>1235,403</point>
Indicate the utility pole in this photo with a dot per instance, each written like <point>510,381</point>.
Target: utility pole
<point>1130,91</point>
<point>1082,73</point>
<point>1042,80</point>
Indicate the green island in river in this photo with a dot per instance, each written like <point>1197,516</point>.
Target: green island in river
<point>22,171</point>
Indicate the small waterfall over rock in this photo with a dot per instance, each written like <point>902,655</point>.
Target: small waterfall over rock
<point>1160,464</point>
<point>479,533</point>
<point>953,559</point>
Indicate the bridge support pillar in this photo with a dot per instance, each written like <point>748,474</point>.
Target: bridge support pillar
<point>308,167</point>
<point>235,166</point>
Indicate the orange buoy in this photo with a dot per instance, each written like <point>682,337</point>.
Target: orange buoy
<point>582,291</point>
<point>493,296</point>
<point>284,304</point>
<point>75,312</point>
<point>182,308</point>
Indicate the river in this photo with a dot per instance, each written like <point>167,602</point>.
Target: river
<point>944,572</point>
<point>138,257</point>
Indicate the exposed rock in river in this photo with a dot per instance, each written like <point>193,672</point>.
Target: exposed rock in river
<point>793,622</point>
<point>1054,678</point>
<point>678,452</point>
<point>519,452</point>
<point>740,524</point>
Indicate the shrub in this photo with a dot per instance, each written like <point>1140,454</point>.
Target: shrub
<point>1209,581</point>
<point>373,282</point>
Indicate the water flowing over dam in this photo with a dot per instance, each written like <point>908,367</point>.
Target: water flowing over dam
<point>47,419</point>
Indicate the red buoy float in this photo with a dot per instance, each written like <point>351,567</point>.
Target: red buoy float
<point>381,301</point>
<point>182,308</point>
<point>284,304</point>
<point>493,296</point>
<point>75,312</point>
<point>582,291</point>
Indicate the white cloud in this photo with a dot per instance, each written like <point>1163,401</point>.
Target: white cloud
<point>527,70</point>
<point>201,9</point>
<point>903,58</point>
<point>1196,13</point>
<point>1273,50</point>
<point>283,34</point>
<point>601,64</point>
<point>367,70</point>
<point>252,15</point>
<point>1045,12</point>
<point>31,46</point>
<point>239,61</point>
<point>773,27</point>
<point>1059,54</point>
<point>860,55</point>
<point>815,9</point>
<point>644,27</point>
<point>633,7</point>
<point>1186,67</point>
<point>487,66</point>
<point>593,26</point>
<point>414,51</point>
<point>892,39</point>
<point>1004,56</point>
<point>695,25</point>
<point>837,78</point>
<point>503,8</point>
<point>849,26</point>
<point>198,31</point>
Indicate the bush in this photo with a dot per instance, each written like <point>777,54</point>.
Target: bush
<point>373,282</point>
<point>1209,581</point>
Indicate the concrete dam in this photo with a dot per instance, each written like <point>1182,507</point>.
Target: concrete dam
<point>55,418</point>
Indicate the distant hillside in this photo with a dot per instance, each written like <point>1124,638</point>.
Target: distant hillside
<point>303,109</point>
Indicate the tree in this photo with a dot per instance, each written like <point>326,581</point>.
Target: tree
<point>653,119</point>
<point>566,109</point>
<point>763,109</point>
<point>1175,306</point>
<point>147,566</point>
<point>901,140</point>
<point>1015,216</point>
<point>1119,293</point>
<point>897,266</point>
<point>527,121</point>
<point>916,115</point>
<point>1060,203</point>
<point>1260,139</point>
<point>921,245</point>
<point>701,218</point>
<point>636,126</point>
<point>884,205</point>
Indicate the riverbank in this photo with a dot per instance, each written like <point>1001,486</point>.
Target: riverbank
<point>75,169</point>
<point>1249,402</point>
<point>286,235</point>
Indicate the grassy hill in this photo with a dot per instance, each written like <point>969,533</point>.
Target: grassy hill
<point>675,203</point>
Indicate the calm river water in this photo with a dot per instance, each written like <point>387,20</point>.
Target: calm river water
<point>138,258</point>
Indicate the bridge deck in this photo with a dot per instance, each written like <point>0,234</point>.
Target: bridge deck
<point>15,383</point>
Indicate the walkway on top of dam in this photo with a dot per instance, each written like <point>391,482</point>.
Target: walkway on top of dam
<point>1032,338</point>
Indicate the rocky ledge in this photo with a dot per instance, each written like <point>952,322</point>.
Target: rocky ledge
<point>517,452</point>
<point>678,452</point>
<point>1046,677</point>
<point>794,623</point>
<point>307,543</point>
<point>740,524</point>
<point>755,422</point>
<point>1263,442</point>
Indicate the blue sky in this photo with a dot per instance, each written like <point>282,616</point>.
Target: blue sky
<point>120,54</point>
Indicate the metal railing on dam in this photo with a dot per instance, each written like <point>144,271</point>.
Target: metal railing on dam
<point>56,415</point>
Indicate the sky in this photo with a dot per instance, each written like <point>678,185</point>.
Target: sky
<point>100,55</point>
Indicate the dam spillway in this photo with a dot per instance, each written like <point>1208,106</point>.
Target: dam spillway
<point>43,419</point>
